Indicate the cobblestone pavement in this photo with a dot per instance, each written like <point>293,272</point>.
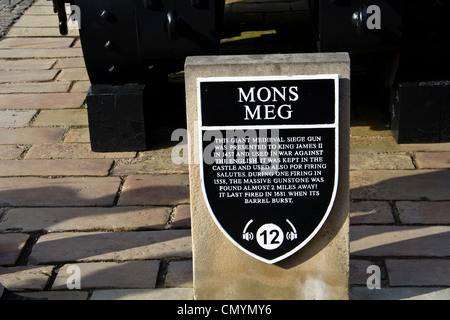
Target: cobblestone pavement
<point>10,11</point>
<point>123,218</point>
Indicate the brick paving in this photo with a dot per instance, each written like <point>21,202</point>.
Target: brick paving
<point>123,218</point>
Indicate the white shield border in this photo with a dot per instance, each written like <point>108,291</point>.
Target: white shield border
<point>334,126</point>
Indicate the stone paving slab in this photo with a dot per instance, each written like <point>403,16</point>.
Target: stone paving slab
<point>111,246</point>
<point>69,167</point>
<point>418,273</point>
<point>27,76</point>
<point>40,53</point>
<point>424,212</point>
<point>36,87</point>
<point>27,64</point>
<point>10,152</point>
<point>435,160</point>
<point>16,118</point>
<point>182,217</point>
<point>371,212</point>
<point>42,101</point>
<point>106,275</point>
<point>385,241</point>
<point>155,190</point>
<point>37,21</point>
<point>80,86</point>
<point>179,275</point>
<point>408,293</point>
<point>156,162</point>
<point>359,274</point>
<point>42,3</point>
<point>39,192</point>
<point>36,43</point>
<point>70,63</point>
<point>85,219</point>
<point>38,9</point>
<point>80,135</point>
<point>58,295</point>
<point>381,162</point>
<point>65,118</point>
<point>73,74</point>
<point>30,135</point>
<point>11,246</point>
<point>29,277</point>
<point>144,294</point>
<point>400,185</point>
<point>40,32</point>
<point>71,151</point>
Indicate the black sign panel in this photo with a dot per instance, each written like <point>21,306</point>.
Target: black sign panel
<point>269,155</point>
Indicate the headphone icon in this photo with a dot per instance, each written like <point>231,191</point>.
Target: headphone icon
<point>249,236</point>
<point>291,235</point>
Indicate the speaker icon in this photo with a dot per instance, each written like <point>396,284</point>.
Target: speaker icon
<point>291,235</point>
<point>248,236</point>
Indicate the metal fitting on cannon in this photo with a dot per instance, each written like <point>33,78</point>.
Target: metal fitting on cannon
<point>59,7</point>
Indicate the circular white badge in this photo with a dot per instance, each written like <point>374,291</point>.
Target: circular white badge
<point>270,236</point>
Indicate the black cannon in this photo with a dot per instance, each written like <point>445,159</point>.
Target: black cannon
<point>129,47</point>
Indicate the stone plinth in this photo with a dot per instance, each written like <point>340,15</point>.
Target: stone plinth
<point>320,269</point>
